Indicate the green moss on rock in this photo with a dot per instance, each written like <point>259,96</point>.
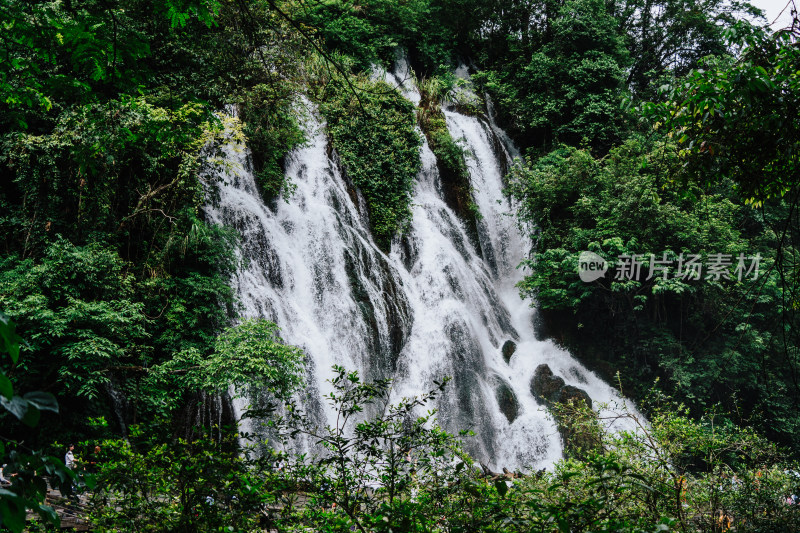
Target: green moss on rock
<point>272,130</point>
<point>373,132</point>
<point>450,157</point>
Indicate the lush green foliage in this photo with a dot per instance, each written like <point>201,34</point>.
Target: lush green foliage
<point>369,32</point>
<point>730,141</point>
<point>558,70</point>
<point>707,337</point>
<point>88,326</point>
<point>272,129</point>
<point>204,484</point>
<point>27,468</point>
<point>250,357</point>
<point>672,472</point>
<point>569,88</point>
<point>668,38</point>
<point>109,119</point>
<point>108,116</point>
<point>369,466</point>
<point>450,156</point>
<point>26,408</point>
<point>373,133</point>
<point>737,119</point>
<point>385,470</point>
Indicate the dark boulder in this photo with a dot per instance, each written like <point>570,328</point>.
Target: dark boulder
<point>568,393</point>
<point>579,428</point>
<point>508,349</point>
<point>545,386</point>
<point>507,400</point>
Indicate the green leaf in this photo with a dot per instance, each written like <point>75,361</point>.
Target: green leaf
<point>13,351</point>
<point>42,400</point>
<point>501,486</point>
<point>16,406</point>
<point>90,480</point>
<point>6,388</point>
<point>9,337</point>
<point>13,515</point>
<point>32,416</point>
<point>49,513</point>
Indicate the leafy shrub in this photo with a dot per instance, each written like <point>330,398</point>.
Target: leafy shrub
<point>272,129</point>
<point>686,474</point>
<point>185,485</point>
<point>704,338</point>
<point>250,357</point>
<point>26,469</point>
<point>373,132</point>
<point>450,156</point>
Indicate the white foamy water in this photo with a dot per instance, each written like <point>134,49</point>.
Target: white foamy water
<point>440,303</point>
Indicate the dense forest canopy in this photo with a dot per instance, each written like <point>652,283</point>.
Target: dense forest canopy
<point>649,128</point>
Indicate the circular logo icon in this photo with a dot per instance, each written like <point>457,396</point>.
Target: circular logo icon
<point>591,266</point>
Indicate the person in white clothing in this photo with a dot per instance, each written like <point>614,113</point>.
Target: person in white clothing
<point>69,458</point>
<point>3,480</point>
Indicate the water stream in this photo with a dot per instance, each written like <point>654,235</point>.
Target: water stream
<point>439,304</point>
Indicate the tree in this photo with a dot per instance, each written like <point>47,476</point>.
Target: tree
<point>76,306</point>
<point>737,118</point>
<point>672,472</point>
<point>26,468</point>
<point>375,136</point>
<point>251,357</point>
<point>199,484</point>
<point>709,340</point>
<point>570,87</point>
<point>374,458</point>
<point>669,38</point>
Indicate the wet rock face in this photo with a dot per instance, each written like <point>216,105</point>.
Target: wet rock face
<point>464,398</point>
<point>574,394</point>
<point>545,386</point>
<point>507,401</point>
<point>550,389</point>
<point>379,295</point>
<point>508,349</point>
<point>579,430</point>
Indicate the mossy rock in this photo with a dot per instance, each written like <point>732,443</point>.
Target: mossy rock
<point>568,393</point>
<point>507,400</point>
<point>572,409</point>
<point>545,386</point>
<point>508,349</point>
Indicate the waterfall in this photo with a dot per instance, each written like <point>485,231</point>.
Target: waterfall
<point>439,304</point>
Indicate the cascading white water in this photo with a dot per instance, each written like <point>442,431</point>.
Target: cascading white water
<point>435,306</point>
